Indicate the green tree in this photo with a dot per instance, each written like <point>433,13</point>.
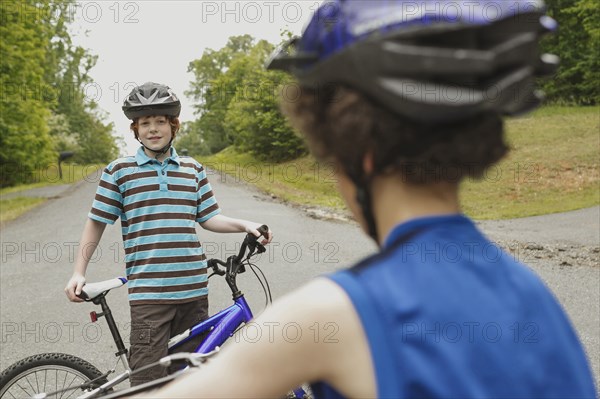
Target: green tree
<point>59,130</point>
<point>190,139</point>
<point>212,90</point>
<point>577,43</point>
<point>70,79</point>
<point>94,138</point>
<point>25,143</point>
<point>253,114</point>
<point>43,77</point>
<point>237,103</point>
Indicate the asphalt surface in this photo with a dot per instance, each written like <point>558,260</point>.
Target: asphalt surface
<point>581,227</point>
<point>37,252</point>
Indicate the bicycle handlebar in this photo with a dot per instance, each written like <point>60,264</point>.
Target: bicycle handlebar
<point>233,265</point>
<point>251,241</point>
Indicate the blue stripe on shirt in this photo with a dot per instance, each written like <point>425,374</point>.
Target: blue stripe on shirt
<point>171,267</point>
<point>147,240</point>
<point>169,295</point>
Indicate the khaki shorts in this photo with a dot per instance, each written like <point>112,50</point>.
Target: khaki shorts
<point>151,328</point>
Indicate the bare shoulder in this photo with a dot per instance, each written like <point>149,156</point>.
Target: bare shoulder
<point>333,335</point>
<point>319,304</point>
<point>320,296</point>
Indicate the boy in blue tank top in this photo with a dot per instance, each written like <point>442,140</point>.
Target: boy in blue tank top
<point>406,98</point>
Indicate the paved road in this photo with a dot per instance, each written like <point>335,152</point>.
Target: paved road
<point>37,255</point>
<point>581,227</point>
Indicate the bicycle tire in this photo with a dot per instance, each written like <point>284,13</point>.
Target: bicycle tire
<point>47,372</point>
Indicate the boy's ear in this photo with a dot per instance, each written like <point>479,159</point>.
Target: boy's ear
<point>134,128</point>
<point>367,163</point>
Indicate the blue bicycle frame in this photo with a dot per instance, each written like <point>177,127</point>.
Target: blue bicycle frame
<point>222,326</point>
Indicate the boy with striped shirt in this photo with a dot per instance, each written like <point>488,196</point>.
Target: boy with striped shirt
<point>159,197</point>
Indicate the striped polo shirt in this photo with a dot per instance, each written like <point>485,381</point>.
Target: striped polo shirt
<point>159,205</point>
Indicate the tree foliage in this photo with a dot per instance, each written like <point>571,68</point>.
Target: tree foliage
<point>577,42</point>
<point>24,139</point>
<point>236,100</point>
<point>43,77</point>
<point>213,89</point>
<point>189,141</point>
<point>254,117</point>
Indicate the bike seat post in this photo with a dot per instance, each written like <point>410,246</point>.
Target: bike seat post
<point>106,312</point>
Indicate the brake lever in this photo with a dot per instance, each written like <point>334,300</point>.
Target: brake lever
<point>260,248</point>
<point>212,263</point>
<point>254,244</point>
<point>218,271</point>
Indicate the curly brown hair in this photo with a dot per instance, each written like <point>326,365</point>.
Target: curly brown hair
<point>341,125</point>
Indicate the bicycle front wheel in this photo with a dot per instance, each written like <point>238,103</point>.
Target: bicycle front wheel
<point>48,372</point>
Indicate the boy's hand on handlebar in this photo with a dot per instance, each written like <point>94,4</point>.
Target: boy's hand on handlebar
<point>74,287</point>
<point>253,228</point>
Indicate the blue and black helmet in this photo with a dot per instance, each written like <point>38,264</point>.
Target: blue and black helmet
<point>433,61</point>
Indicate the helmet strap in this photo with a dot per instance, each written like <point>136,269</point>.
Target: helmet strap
<point>364,199</point>
<point>161,151</point>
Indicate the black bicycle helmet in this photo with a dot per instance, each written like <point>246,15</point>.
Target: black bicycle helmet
<point>151,99</point>
<point>431,61</point>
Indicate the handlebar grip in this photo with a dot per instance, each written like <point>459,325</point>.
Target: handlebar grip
<point>263,230</point>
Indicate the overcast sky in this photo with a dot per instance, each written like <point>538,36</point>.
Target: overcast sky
<point>140,41</point>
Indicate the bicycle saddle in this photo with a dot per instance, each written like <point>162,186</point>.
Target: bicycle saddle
<point>92,290</point>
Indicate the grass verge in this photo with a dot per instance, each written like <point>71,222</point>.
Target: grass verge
<point>13,207</point>
<point>301,181</point>
<point>553,167</point>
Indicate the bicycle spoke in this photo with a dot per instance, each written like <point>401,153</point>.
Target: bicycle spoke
<point>45,379</point>
<point>37,385</point>
<point>63,385</point>
<point>72,393</point>
<point>31,385</point>
<point>23,389</point>
<point>70,385</point>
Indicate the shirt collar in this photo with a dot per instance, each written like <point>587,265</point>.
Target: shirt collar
<point>141,158</point>
<point>424,223</point>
